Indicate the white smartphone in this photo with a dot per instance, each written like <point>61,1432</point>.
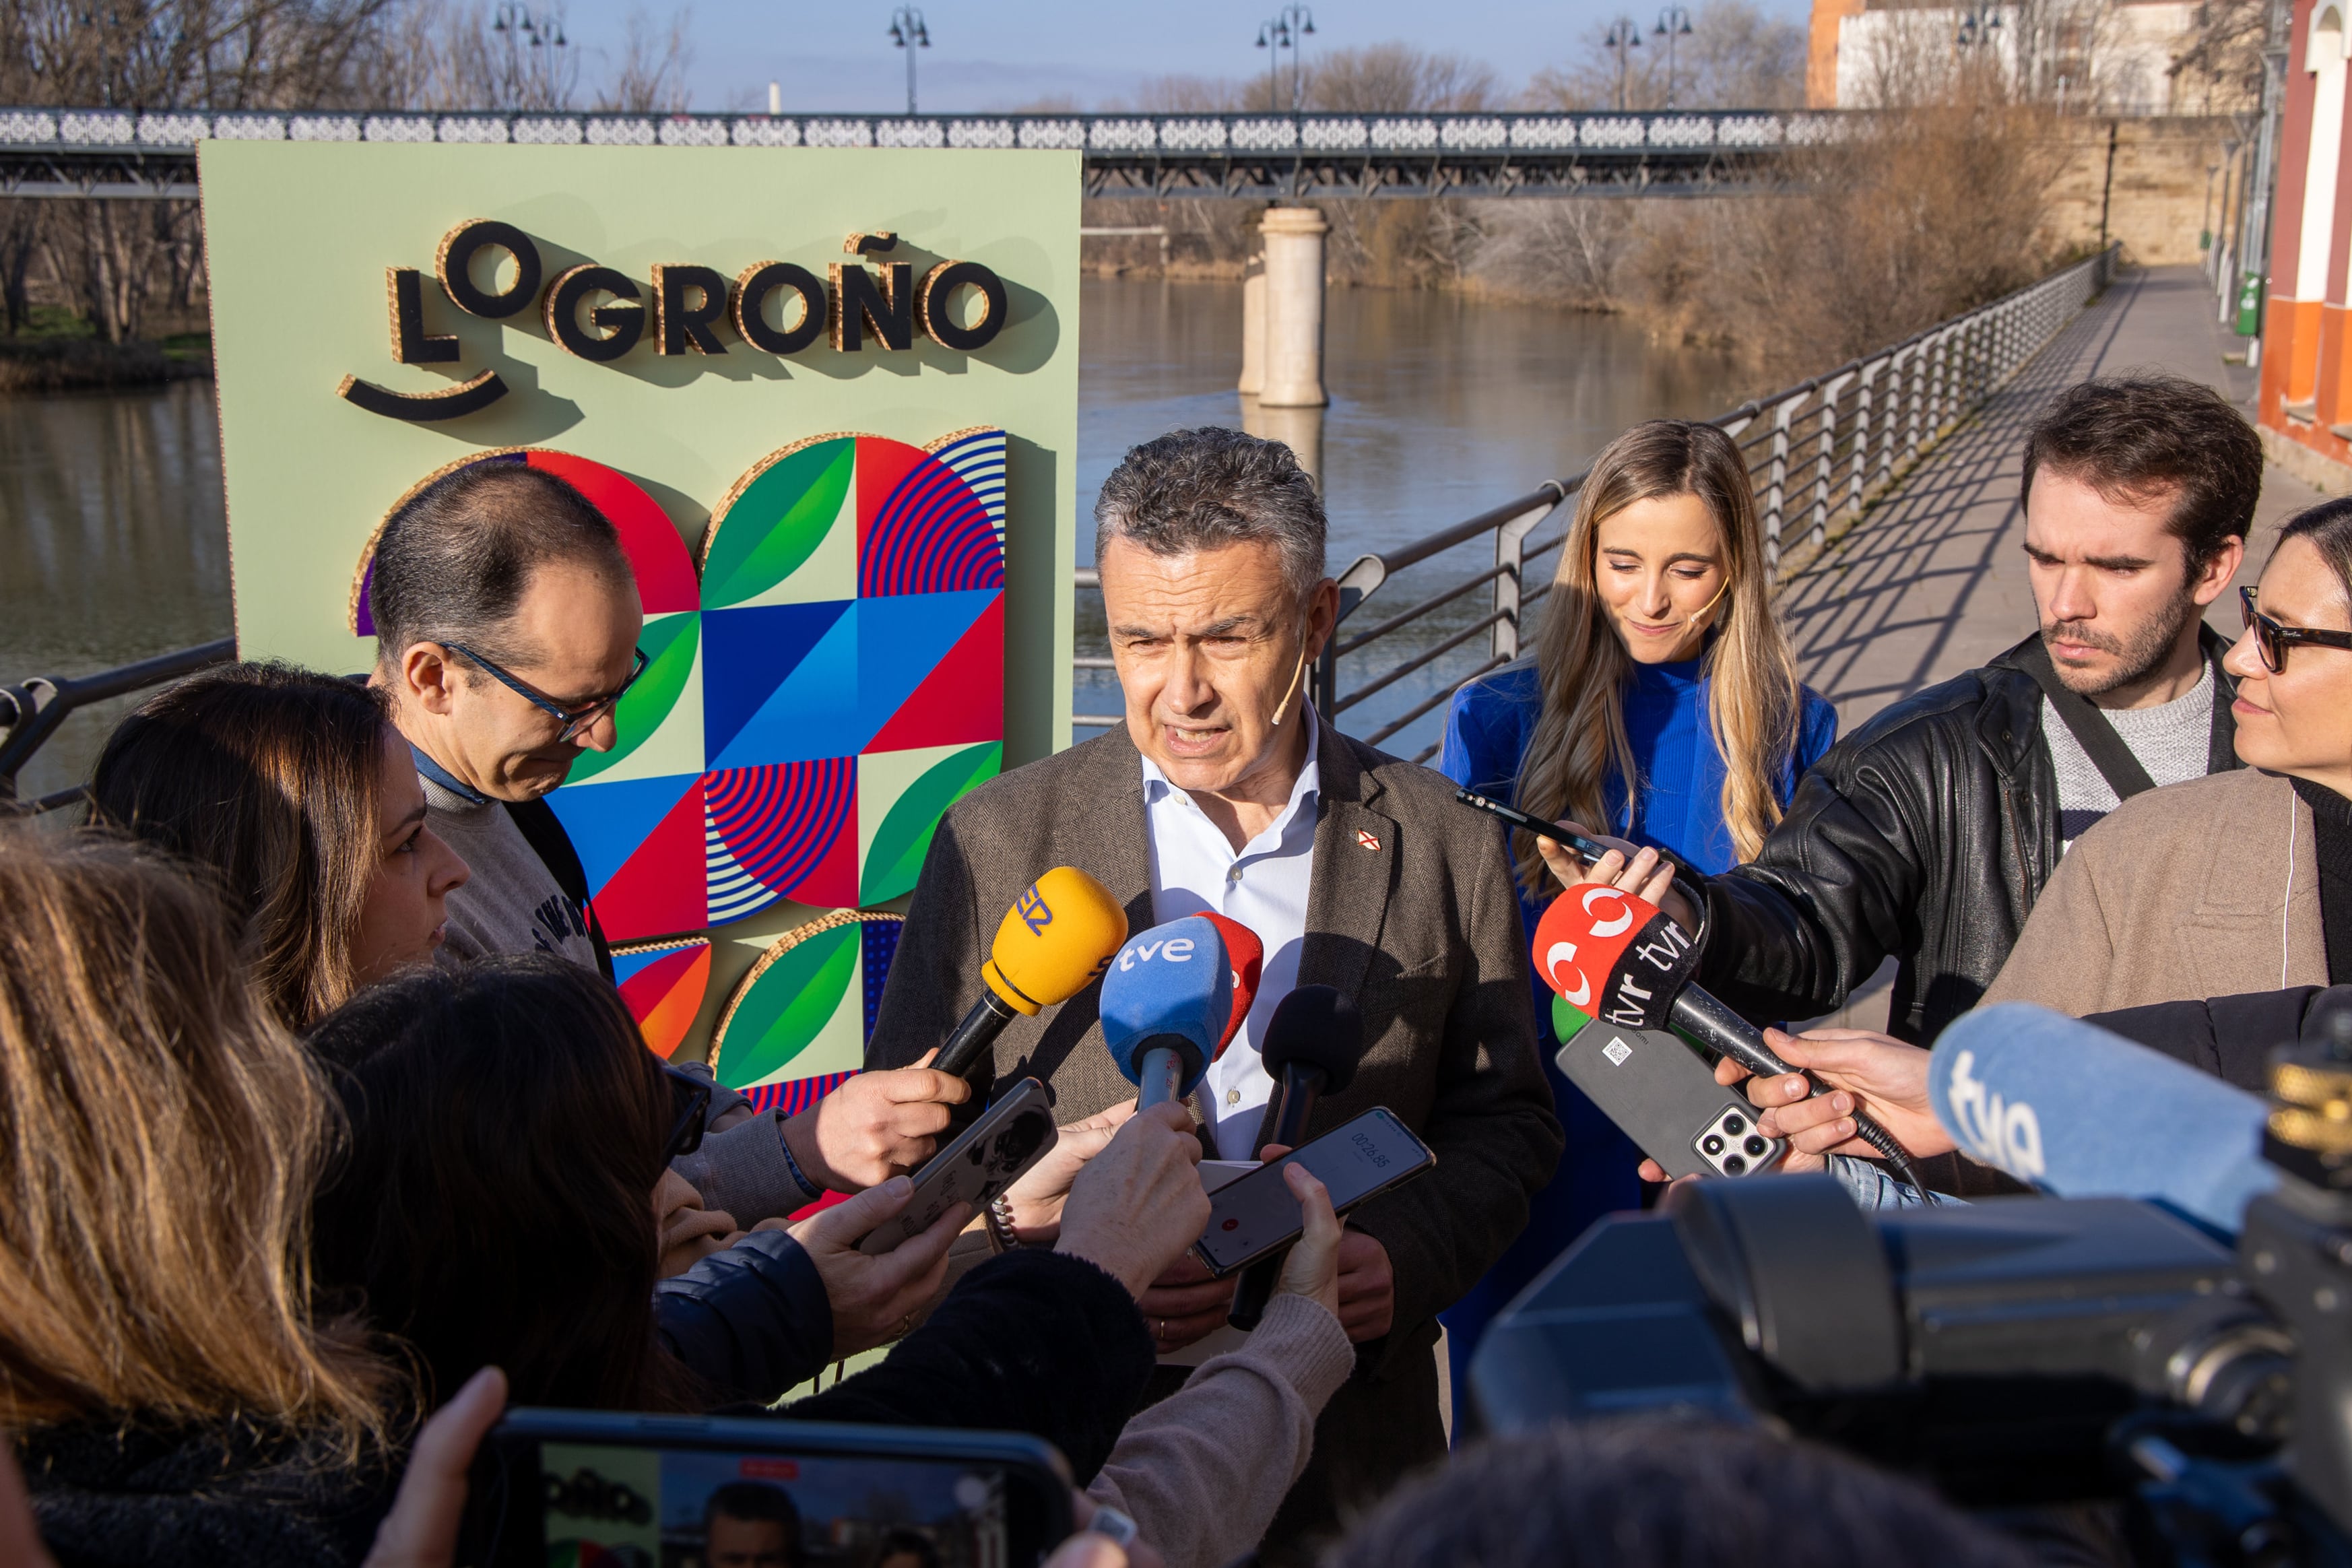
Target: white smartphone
<point>1257,1214</point>
<point>987,1157</point>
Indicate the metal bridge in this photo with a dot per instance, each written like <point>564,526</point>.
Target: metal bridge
<point>85,152</point>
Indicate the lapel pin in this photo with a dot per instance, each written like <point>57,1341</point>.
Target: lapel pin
<point>1366,839</point>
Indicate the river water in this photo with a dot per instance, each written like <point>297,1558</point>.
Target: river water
<point>113,547</point>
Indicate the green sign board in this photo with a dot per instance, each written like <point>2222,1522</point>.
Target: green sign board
<point>828,397</point>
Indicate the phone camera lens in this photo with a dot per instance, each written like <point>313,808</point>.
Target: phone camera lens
<point>1711,1145</point>
<point>1733,1165</point>
<point>1755,1147</point>
<point>1735,1124</point>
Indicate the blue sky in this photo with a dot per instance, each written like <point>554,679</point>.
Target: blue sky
<point>996,54</point>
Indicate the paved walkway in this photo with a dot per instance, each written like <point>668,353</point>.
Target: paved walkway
<point>1933,581</point>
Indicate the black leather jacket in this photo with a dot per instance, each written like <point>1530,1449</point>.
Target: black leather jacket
<point>1925,835</point>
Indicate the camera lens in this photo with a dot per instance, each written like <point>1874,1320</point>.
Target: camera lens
<point>1735,1124</point>
<point>1755,1147</point>
<point>1733,1164</point>
<point>1711,1145</point>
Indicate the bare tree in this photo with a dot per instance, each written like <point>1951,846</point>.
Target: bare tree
<point>650,78</point>
<point>1736,56</point>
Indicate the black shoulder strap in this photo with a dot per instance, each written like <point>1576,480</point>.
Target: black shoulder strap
<point>2088,726</point>
<point>543,831</point>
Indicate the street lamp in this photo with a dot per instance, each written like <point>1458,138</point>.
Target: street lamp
<point>1673,22</point>
<point>1979,23</point>
<point>1624,34</point>
<point>907,32</point>
<point>1289,28</point>
<point>516,25</point>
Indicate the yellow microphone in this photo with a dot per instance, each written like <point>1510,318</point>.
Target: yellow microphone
<point>1059,936</point>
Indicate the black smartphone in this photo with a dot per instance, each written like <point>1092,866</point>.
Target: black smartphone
<point>984,1159</point>
<point>674,1491</point>
<point>1256,1215</point>
<point>1592,849</point>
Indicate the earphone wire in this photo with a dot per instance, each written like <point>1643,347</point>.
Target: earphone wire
<point>1296,677</point>
<point>2288,904</point>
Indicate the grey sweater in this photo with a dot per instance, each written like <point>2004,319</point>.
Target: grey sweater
<point>1202,1471</point>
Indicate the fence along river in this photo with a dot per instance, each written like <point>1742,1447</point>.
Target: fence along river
<point>112,548</point>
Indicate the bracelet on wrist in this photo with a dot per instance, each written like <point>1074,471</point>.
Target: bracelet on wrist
<point>1000,1224</point>
<point>800,1177</point>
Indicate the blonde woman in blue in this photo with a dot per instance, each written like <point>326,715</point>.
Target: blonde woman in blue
<point>1661,706</point>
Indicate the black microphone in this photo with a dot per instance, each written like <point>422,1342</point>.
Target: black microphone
<point>1311,1046</point>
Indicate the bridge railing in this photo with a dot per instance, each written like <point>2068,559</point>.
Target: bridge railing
<point>1818,454</point>
<point>167,130</point>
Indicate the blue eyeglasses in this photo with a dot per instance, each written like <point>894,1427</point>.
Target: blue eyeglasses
<point>575,720</point>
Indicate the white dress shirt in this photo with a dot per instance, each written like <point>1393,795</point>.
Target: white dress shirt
<point>1194,870</point>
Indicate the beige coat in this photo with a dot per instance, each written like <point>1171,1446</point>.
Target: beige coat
<point>2181,893</point>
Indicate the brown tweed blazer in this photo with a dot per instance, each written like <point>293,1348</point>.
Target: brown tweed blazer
<point>1421,931</point>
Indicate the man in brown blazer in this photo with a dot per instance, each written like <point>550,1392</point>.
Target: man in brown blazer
<point>1227,791</point>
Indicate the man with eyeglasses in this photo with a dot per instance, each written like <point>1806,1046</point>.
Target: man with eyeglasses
<point>506,620</point>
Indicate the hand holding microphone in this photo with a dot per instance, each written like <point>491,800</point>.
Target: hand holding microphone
<point>1876,1075</point>
<point>1612,956</point>
<point>1049,946</point>
<point>1137,1206</point>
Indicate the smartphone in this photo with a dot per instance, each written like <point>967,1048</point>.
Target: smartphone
<point>1257,1216</point>
<point>1662,1097</point>
<point>653,1491</point>
<point>984,1159</point>
<point>1592,849</point>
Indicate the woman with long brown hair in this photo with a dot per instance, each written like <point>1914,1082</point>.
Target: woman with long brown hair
<point>1661,707</point>
<point>173,1398</point>
<point>291,792</point>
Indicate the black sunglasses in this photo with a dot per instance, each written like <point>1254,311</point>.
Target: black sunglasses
<point>689,1098</point>
<point>2275,637</point>
<point>575,720</point>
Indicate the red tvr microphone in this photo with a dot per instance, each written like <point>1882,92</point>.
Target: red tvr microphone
<point>1611,955</point>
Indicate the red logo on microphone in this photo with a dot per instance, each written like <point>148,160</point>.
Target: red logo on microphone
<point>1580,938</point>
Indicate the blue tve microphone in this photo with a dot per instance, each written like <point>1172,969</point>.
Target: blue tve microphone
<point>2079,1113</point>
<point>1165,1001</point>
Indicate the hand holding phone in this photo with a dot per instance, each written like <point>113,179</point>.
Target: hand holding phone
<point>1259,1215</point>
<point>566,1485</point>
<point>1657,889</point>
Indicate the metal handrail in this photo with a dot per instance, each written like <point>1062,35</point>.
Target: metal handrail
<point>30,713</point>
<point>1818,452</point>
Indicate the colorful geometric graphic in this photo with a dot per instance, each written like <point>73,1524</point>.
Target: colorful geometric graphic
<point>822,682</point>
<point>664,985</point>
<point>801,1018</point>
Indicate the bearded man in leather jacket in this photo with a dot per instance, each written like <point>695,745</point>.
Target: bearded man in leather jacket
<point>1927,833</point>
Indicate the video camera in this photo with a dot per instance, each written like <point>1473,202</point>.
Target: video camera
<point>2013,1352</point>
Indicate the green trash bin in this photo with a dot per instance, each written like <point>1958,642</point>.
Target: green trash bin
<point>2250,305</point>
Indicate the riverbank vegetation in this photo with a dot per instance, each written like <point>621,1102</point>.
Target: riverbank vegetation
<point>1941,206</point>
<point>1940,202</point>
<point>129,275</point>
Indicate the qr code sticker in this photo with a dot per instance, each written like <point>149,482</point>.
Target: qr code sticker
<point>1616,1051</point>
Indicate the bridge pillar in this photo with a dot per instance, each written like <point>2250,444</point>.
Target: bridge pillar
<point>1253,380</point>
<point>1294,309</point>
<point>1300,429</point>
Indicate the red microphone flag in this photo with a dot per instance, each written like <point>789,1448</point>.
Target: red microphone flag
<point>1246,955</point>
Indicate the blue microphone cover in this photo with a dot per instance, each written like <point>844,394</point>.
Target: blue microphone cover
<point>1170,980</point>
<point>2079,1113</point>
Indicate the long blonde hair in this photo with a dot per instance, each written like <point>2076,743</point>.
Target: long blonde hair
<point>161,1134</point>
<point>1752,705</point>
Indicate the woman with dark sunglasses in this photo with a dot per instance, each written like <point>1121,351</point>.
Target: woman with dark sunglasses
<point>2240,881</point>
